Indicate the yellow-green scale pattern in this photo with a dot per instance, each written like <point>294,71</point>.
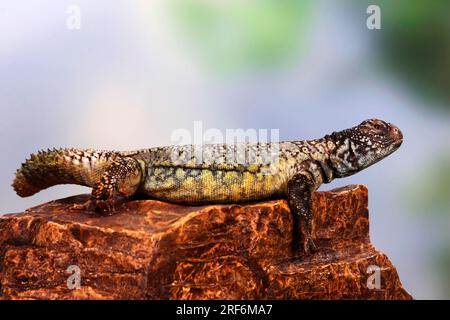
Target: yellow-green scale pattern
<point>220,181</point>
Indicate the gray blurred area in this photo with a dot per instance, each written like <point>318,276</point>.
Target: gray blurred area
<point>138,70</point>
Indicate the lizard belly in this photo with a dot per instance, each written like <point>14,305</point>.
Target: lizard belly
<point>196,186</point>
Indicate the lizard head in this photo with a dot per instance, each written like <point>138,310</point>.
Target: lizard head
<point>362,146</point>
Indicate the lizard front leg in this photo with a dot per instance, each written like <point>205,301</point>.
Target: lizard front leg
<point>300,189</point>
<point>122,178</point>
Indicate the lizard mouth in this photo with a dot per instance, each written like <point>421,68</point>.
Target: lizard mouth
<point>397,143</point>
<point>396,135</point>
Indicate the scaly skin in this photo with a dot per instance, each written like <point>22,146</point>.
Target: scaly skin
<point>215,173</point>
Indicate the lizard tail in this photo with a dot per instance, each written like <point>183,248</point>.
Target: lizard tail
<point>61,166</point>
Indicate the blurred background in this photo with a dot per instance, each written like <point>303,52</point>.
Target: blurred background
<point>135,71</point>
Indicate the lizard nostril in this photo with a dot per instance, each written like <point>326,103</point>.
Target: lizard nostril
<point>396,132</point>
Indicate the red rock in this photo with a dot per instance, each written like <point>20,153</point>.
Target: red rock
<point>155,250</point>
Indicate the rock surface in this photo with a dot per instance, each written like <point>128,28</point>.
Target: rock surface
<point>155,250</point>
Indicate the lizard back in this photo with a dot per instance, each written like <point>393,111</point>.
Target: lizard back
<point>218,172</point>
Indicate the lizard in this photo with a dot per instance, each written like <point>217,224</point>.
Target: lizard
<point>215,173</point>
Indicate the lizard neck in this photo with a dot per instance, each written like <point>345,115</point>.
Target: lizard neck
<point>326,147</point>
<point>318,155</point>
<point>341,153</point>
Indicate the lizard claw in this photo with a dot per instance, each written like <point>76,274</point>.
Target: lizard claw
<point>309,247</point>
<point>101,206</point>
<point>79,206</point>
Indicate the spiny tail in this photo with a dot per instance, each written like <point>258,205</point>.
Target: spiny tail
<point>61,166</point>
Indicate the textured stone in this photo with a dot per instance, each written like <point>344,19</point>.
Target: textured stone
<point>155,250</point>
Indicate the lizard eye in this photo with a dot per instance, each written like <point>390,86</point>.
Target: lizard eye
<point>377,126</point>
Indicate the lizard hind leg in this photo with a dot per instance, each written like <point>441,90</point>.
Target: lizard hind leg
<point>122,179</point>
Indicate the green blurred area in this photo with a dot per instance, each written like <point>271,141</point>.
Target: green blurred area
<point>442,266</point>
<point>415,44</point>
<point>238,36</point>
<point>429,191</point>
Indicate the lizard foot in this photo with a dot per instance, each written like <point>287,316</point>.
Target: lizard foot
<point>101,206</point>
